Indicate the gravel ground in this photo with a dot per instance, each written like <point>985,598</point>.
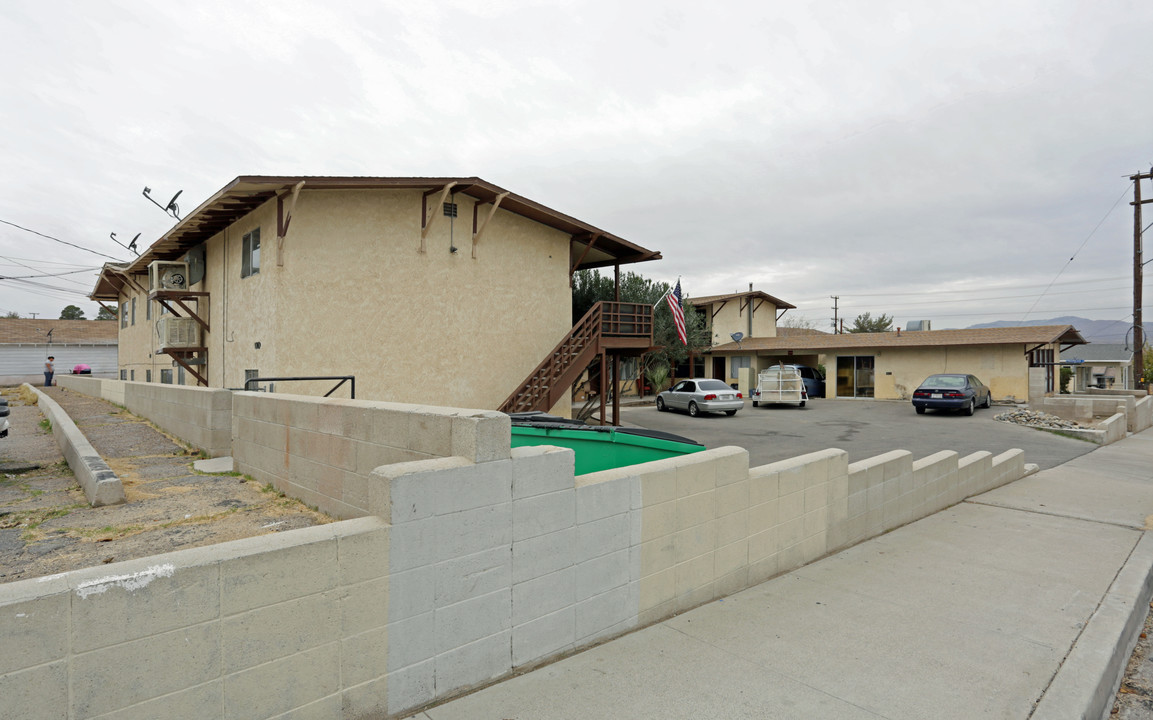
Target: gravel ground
<point>47,527</point>
<point>1135,697</point>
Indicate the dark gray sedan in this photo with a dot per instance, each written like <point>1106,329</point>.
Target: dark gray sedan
<point>951,392</point>
<point>701,395</point>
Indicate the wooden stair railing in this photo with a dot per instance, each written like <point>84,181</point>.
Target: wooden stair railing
<point>606,325</point>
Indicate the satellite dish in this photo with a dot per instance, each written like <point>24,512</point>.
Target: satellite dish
<point>195,259</point>
<point>172,207</point>
<point>737,336</point>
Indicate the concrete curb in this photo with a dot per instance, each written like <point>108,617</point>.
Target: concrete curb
<point>100,484</point>
<point>1087,682</point>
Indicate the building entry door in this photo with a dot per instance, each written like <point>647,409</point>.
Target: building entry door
<point>719,369</point>
<point>855,376</point>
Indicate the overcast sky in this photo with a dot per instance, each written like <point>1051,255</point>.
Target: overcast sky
<point>938,161</point>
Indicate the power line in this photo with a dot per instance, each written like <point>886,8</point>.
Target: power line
<point>32,283</point>
<point>918,303</point>
<point>77,282</point>
<point>978,290</point>
<point>62,242</point>
<point>889,306</point>
<point>945,293</point>
<point>1052,312</point>
<point>45,262</point>
<point>59,274</point>
<point>1083,242</point>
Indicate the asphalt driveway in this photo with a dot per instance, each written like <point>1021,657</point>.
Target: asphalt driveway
<point>862,428</point>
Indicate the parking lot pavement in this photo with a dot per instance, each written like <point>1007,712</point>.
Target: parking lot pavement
<point>862,428</point>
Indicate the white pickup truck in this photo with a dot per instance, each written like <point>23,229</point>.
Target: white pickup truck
<point>780,384</point>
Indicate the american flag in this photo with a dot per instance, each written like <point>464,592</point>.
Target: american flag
<point>674,300</point>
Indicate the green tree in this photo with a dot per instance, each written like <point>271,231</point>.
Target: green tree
<point>799,322</point>
<point>105,314</point>
<point>12,314</point>
<point>72,312</point>
<point>1066,376</point>
<point>866,323</point>
<point>590,287</point>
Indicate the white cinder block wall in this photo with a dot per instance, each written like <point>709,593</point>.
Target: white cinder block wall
<point>322,451</point>
<point>481,560</point>
<point>254,628</point>
<point>201,417</point>
<point>498,565</point>
<point>501,565</point>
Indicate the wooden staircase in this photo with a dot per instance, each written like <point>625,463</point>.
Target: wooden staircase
<point>609,328</point>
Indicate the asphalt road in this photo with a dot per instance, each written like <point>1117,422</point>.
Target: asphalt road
<point>862,428</point>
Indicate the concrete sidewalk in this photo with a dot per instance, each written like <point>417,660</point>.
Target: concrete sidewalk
<point>1022,602</point>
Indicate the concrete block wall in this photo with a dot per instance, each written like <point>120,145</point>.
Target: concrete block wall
<point>705,526</point>
<point>891,490</point>
<point>201,417</point>
<point>1114,428</point>
<point>1134,405</point>
<point>284,625</point>
<point>499,565</point>
<point>322,450</point>
<point>1114,391</point>
<point>480,560</point>
<point>100,484</point>
<point>1142,417</point>
<point>1084,408</point>
<point>1037,384</point>
<point>86,384</point>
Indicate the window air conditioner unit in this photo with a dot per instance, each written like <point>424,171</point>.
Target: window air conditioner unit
<point>177,332</point>
<point>166,275</point>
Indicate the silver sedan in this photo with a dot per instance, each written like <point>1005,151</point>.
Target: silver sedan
<point>701,395</point>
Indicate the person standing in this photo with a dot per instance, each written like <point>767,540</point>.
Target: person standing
<point>49,370</point>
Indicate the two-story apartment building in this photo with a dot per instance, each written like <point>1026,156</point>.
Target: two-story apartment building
<point>443,291</point>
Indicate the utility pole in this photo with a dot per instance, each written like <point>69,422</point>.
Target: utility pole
<point>835,299</point>
<point>1139,378</point>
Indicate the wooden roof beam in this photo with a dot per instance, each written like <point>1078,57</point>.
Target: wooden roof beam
<point>128,279</point>
<point>426,220</point>
<point>477,233</point>
<point>592,240</point>
<point>284,219</point>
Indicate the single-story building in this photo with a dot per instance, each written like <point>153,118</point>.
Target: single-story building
<point>891,365</point>
<point>1100,365</point>
<point>25,343</point>
<point>292,277</point>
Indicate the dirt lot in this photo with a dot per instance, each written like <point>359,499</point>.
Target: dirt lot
<point>47,527</point>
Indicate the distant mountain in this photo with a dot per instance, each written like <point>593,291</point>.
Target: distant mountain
<point>1098,331</point>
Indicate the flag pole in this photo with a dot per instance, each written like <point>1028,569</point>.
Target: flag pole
<point>658,302</point>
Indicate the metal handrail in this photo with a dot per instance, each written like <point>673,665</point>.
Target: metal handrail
<point>342,378</point>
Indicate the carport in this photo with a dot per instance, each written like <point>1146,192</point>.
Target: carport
<point>890,365</point>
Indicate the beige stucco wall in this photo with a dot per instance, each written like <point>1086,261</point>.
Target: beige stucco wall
<point>137,340</point>
<point>731,317</point>
<point>355,296</point>
<point>1004,368</point>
